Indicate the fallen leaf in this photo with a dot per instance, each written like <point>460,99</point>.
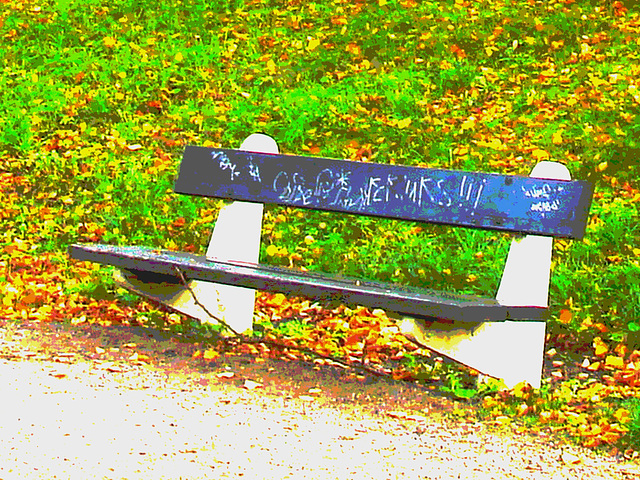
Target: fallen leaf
<point>404,123</point>
<point>570,459</point>
<point>540,154</point>
<point>251,385</point>
<point>144,358</point>
<point>210,354</point>
<point>313,44</point>
<point>565,316</point>
<point>271,66</point>
<point>615,362</point>
<point>503,419</point>
<point>594,366</point>
<point>404,416</point>
<point>522,390</point>
<point>622,415</point>
<point>523,409</point>
<point>600,347</point>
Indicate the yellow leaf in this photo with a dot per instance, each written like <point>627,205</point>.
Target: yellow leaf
<point>540,154</point>
<point>404,123</point>
<point>144,358</point>
<point>271,66</point>
<point>278,299</point>
<point>495,144</point>
<point>109,42</point>
<point>179,57</point>
<point>503,420</point>
<point>272,250</point>
<point>210,354</point>
<point>522,390</point>
<point>313,44</point>
<point>622,415</point>
<point>556,138</point>
<point>594,366</point>
<point>615,362</point>
<point>468,124</point>
<point>600,347</point>
<point>621,350</point>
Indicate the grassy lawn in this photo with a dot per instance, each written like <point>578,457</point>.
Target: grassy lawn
<point>98,100</point>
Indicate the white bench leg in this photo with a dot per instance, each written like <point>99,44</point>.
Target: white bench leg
<point>512,351</point>
<point>236,236</point>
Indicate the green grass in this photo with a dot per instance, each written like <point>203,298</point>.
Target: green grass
<point>486,85</point>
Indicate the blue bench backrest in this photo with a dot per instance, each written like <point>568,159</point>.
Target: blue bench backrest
<point>470,199</point>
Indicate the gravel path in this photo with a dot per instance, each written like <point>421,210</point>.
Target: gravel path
<point>79,417</point>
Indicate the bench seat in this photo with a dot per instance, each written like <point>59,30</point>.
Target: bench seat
<point>401,299</point>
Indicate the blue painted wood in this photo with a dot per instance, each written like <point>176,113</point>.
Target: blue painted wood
<point>470,199</point>
<point>160,266</point>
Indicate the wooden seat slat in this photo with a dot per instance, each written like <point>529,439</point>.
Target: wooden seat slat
<point>411,300</point>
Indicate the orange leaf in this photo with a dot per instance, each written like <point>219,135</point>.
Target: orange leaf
<point>565,316</point>
<point>353,49</point>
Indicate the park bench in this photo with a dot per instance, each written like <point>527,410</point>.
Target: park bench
<point>501,336</point>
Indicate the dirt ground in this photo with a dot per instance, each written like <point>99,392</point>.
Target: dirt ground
<point>121,402</point>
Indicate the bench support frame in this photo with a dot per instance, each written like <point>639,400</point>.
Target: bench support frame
<point>511,351</point>
<point>236,236</point>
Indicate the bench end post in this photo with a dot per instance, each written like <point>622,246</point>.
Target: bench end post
<point>235,236</point>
